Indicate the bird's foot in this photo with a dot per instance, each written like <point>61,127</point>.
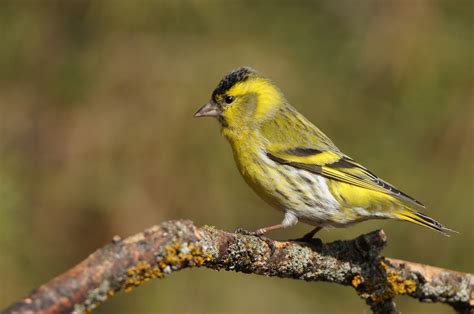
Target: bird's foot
<point>247,232</point>
<point>314,241</point>
<point>259,234</point>
<point>308,238</point>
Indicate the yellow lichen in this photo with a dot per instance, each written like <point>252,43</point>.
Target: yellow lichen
<point>176,256</point>
<point>357,280</point>
<point>401,286</point>
<point>141,273</point>
<point>397,284</point>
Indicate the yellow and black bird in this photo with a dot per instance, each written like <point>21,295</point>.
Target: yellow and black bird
<point>294,166</point>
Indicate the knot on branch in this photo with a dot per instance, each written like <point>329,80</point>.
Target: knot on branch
<point>370,245</point>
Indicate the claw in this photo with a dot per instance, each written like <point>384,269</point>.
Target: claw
<point>305,238</point>
<point>268,241</point>
<point>316,242</point>
<point>309,236</point>
<point>259,234</point>
<point>245,232</point>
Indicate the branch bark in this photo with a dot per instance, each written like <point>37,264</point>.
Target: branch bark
<point>174,245</point>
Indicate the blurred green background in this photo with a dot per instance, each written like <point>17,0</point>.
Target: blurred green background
<point>97,136</point>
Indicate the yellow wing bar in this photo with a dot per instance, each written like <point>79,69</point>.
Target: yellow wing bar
<point>334,165</point>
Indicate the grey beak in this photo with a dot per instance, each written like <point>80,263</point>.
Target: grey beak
<point>208,110</point>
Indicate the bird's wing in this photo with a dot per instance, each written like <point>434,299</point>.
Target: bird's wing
<point>336,166</point>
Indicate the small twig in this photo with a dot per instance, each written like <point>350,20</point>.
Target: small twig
<point>171,246</point>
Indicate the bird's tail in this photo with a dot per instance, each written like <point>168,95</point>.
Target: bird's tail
<point>423,220</point>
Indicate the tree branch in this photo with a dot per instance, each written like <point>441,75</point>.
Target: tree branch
<point>174,245</point>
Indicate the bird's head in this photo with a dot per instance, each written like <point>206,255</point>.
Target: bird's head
<point>243,99</point>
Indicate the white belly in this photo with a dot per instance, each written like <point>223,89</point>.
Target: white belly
<point>304,194</point>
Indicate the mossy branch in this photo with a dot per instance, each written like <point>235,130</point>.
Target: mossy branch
<point>174,245</point>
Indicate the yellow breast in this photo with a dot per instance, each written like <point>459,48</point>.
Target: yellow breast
<point>247,150</point>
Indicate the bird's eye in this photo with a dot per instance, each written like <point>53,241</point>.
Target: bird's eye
<point>228,99</point>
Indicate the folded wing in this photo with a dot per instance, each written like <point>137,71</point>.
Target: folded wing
<point>336,166</point>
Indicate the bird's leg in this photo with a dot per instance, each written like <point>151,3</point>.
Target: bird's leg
<point>309,236</point>
<point>259,233</point>
<point>289,220</point>
<point>262,231</point>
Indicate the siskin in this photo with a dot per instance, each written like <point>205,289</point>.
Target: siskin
<point>294,166</point>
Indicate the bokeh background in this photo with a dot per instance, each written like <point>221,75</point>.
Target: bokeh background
<point>97,136</point>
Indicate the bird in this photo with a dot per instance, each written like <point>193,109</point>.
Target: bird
<point>295,167</point>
